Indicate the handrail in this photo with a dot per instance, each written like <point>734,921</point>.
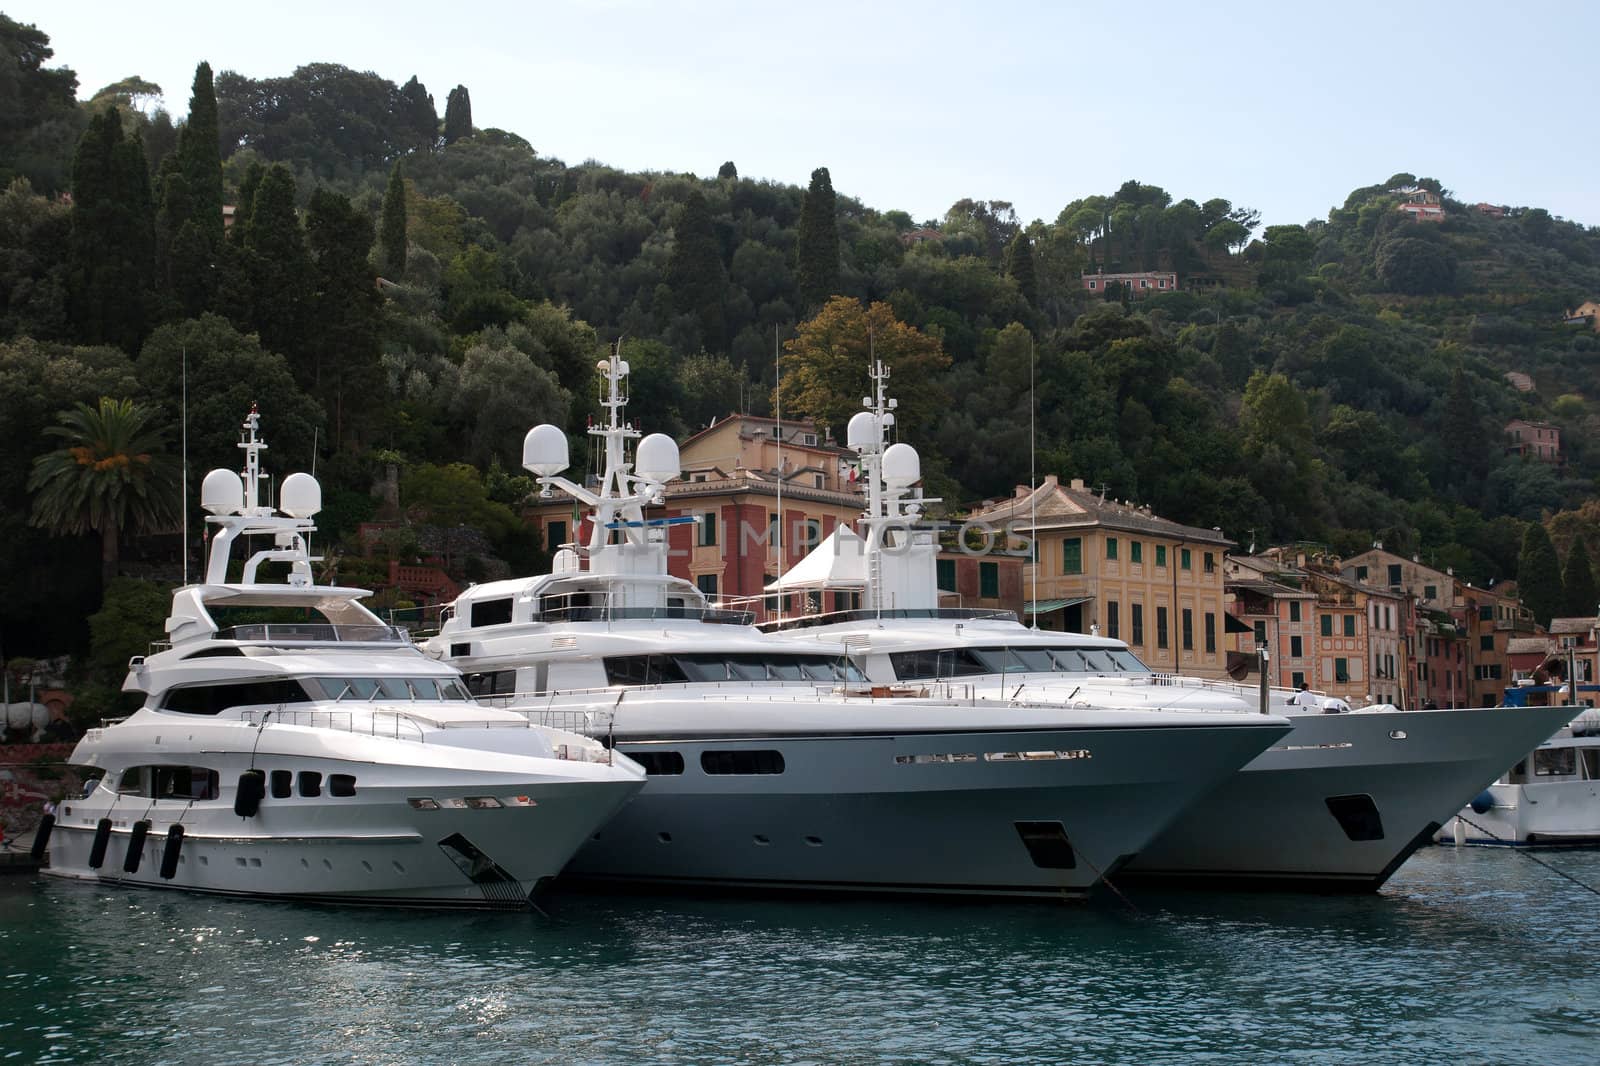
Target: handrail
<point>863,615</point>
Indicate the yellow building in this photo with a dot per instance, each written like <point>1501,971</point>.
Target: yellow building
<point>1100,564</point>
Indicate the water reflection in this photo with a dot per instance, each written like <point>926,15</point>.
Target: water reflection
<point>1467,954</point>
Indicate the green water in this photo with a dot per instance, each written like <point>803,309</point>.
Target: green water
<point>1466,957</point>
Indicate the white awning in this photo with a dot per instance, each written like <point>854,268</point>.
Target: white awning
<point>839,562</point>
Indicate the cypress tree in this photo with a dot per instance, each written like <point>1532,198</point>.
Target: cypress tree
<point>1580,598</point>
<point>457,115</point>
<point>279,271</point>
<point>817,266</point>
<point>1539,575</point>
<point>1019,267</point>
<point>695,273</point>
<point>417,115</point>
<point>247,197</point>
<point>392,237</point>
<point>1462,431</point>
<point>112,243</point>
<point>344,310</point>
<point>200,157</point>
<point>728,172</point>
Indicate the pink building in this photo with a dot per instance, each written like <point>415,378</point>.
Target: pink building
<point>1534,440</point>
<point>1422,205</point>
<point>1139,283</point>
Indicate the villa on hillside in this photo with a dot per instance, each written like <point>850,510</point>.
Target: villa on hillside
<point>1585,314</point>
<point>1137,283</point>
<point>1534,440</point>
<point>1422,205</point>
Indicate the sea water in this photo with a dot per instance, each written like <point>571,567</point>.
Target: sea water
<point>1467,956</point>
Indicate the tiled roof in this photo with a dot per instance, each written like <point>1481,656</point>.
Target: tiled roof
<point>1055,506</point>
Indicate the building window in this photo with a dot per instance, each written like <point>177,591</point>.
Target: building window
<point>1327,625</point>
<point>1430,592</point>
<point>1071,555</point>
<point>1294,610</point>
<point>1091,284</point>
<point>1297,648</point>
<point>1111,547</point>
<point>817,480</point>
<point>1137,621</point>
<point>774,534</point>
<point>708,529</point>
<point>1297,679</point>
<point>1211,633</point>
<point>1349,625</point>
<point>988,580</point>
<point>1211,563</point>
<point>1361,573</point>
<point>1161,627</point>
<point>947,575</point>
<point>1261,633</point>
<point>1184,560</point>
<point>1486,613</point>
<point>1161,555</point>
<point>1188,629</point>
<point>555,534</point>
<point>1112,625</point>
<point>1486,642</point>
<point>1394,574</point>
<point>1136,551</point>
<point>707,583</point>
<point>1341,670</point>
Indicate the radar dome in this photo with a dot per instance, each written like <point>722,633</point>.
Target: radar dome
<point>222,492</point>
<point>656,458</point>
<point>862,432</point>
<point>300,496</point>
<point>902,467</point>
<point>544,450</point>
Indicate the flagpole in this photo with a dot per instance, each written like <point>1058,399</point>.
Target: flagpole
<point>777,401</point>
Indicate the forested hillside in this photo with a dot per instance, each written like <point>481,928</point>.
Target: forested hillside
<point>398,288</point>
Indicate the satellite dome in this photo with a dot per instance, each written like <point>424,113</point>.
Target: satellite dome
<point>902,467</point>
<point>862,431</point>
<point>300,496</point>
<point>656,458</point>
<point>222,492</point>
<point>544,450</point>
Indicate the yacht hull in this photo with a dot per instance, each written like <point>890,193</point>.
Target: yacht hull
<point>372,848</point>
<point>964,813</point>
<point>1343,800</point>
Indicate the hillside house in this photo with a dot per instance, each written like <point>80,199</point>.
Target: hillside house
<point>1534,440</point>
<point>1422,205</point>
<point>1137,283</point>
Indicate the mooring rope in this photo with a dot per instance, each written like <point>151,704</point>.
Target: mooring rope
<point>1530,856</point>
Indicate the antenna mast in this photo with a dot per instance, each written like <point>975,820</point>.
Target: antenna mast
<point>1033,485</point>
<point>777,402</point>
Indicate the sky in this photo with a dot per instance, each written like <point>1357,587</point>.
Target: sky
<point>1284,107</point>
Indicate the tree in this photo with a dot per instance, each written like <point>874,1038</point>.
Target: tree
<point>280,272</point>
<point>345,311</point>
<point>817,242</point>
<point>695,273</point>
<point>457,115</point>
<point>418,121</point>
<point>39,116</point>
<point>1019,267</point>
<point>1580,596</point>
<point>1539,575</point>
<point>113,236</point>
<point>1418,267</point>
<point>825,365</point>
<point>392,231</point>
<point>1461,432</point>
<point>502,394</point>
<point>111,474</point>
<point>200,157</point>
<point>728,172</point>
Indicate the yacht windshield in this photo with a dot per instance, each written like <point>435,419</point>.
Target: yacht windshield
<point>352,689</point>
<point>933,663</point>
<point>753,667</point>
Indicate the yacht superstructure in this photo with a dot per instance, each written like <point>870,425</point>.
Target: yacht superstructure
<point>779,768</point>
<point>308,751</point>
<point>1338,803</point>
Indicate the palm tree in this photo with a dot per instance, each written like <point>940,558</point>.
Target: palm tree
<point>111,474</point>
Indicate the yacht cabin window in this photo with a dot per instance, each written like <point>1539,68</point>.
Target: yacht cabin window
<point>170,782</point>
<point>214,699</point>
<point>759,666</point>
<point>491,612</point>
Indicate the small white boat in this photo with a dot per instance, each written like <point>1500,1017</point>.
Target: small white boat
<point>310,752</point>
<point>1551,797</point>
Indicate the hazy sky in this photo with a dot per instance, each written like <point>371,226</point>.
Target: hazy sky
<point>916,105</point>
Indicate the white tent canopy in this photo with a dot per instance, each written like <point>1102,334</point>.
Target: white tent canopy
<point>839,562</point>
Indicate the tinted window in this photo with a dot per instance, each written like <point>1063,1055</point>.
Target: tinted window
<point>214,699</point>
<point>741,762</point>
<point>341,785</point>
<point>282,784</point>
<point>491,612</point>
<point>310,783</point>
<point>642,670</point>
<point>658,763</point>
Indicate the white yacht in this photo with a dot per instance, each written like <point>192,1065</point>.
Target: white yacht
<point>1339,803</point>
<point>1551,797</point>
<point>293,746</point>
<point>779,768</point>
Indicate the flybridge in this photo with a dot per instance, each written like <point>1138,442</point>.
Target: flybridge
<point>233,501</point>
